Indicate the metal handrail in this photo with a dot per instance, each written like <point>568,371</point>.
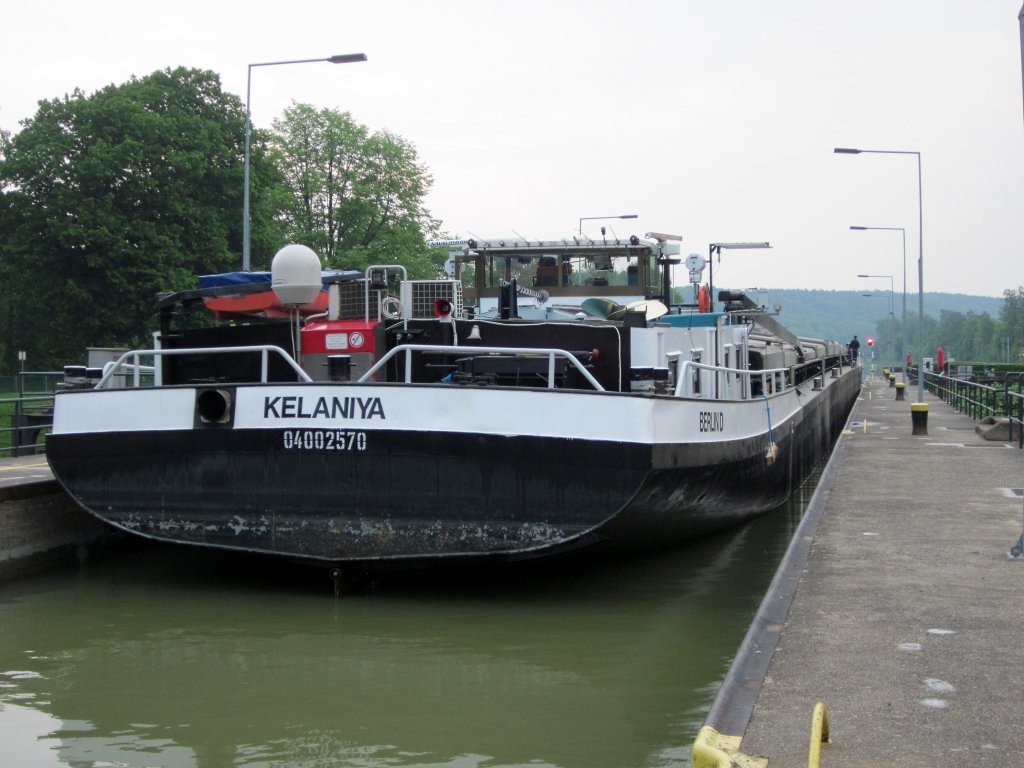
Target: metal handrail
<point>39,407</point>
<point>366,286</point>
<point>979,401</point>
<point>779,378</point>
<point>684,381</point>
<point>550,353</point>
<point>31,412</point>
<point>112,369</point>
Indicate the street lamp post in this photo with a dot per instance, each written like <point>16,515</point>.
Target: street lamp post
<point>891,299</point>
<point>344,58</point>
<point>903,326</point>
<point>920,256</point>
<point>714,248</point>
<point>596,218</point>
<point>1020,20</point>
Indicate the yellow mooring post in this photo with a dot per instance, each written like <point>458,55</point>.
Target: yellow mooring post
<point>919,418</point>
<point>712,749</point>
<point>899,390</point>
<point>819,735</point>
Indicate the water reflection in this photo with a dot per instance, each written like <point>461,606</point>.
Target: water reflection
<point>173,657</point>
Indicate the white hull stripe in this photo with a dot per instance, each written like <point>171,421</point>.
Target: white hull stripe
<point>469,410</point>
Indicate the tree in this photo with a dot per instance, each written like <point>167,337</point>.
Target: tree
<point>980,338</point>
<point>1012,317</point>
<point>357,196</point>
<point>950,334</point>
<point>110,198</point>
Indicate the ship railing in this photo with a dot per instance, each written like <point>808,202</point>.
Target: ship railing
<point>735,383</point>
<point>408,350</point>
<point>130,363</point>
<point>377,274</point>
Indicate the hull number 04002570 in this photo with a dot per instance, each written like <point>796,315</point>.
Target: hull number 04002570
<point>324,440</point>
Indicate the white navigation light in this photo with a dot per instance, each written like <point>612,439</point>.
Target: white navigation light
<point>295,275</point>
<point>695,263</point>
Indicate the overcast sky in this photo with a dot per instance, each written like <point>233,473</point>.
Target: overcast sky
<point>711,119</point>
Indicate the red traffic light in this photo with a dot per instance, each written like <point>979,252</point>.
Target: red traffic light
<point>871,340</point>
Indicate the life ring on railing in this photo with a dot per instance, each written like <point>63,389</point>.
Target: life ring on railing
<point>703,299</point>
<point>391,308</point>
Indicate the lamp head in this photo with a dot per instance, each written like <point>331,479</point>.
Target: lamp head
<point>740,246</point>
<point>347,58</point>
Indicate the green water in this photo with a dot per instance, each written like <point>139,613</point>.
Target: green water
<point>166,656</point>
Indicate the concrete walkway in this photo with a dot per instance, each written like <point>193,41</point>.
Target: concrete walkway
<point>908,619</point>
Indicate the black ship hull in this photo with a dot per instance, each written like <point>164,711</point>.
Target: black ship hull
<point>351,492</point>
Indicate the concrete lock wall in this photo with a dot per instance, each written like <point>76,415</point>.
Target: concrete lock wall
<point>42,528</point>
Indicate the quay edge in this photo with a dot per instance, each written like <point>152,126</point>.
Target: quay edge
<point>43,529</point>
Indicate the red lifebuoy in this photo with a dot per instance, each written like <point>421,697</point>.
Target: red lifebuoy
<point>703,299</point>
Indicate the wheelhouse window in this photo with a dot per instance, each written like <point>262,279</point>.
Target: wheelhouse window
<point>623,272</point>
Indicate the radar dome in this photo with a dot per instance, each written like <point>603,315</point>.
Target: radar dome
<point>295,275</point>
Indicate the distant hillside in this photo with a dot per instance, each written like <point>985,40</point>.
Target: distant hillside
<point>841,314</point>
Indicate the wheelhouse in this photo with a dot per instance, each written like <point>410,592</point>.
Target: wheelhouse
<point>569,271</point>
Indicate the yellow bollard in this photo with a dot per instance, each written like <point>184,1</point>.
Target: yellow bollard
<point>919,418</point>
<point>899,390</point>
<point>819,735</point>
<point>712,749</point>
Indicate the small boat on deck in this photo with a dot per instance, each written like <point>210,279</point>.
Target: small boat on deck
<point>545,397</point>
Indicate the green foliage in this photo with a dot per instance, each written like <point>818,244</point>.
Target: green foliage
<point>357,196</point>
<point>1012,319</point>
<point>110,198</point>
<point>965,328</point>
